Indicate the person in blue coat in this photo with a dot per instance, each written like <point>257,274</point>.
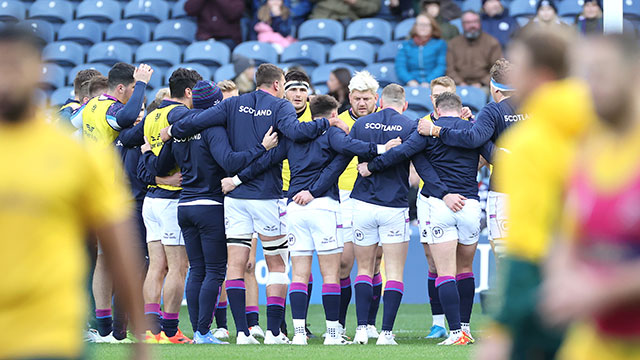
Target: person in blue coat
<point>423,57</point>
<point>497,22</point>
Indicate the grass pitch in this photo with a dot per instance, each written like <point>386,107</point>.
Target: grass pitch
<point>411,326</point>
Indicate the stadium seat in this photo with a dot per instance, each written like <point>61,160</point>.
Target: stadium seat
<point>419,99</point>
<point>472,97</point>
<point>631,9</point>
<point>473,5</point>
<point>159,53</point>
<point>61,95</point>
<point>402,30</point>
<point>104,70</point>
<point>225,72</point>
<point>109,53</point>
<point>210,53</point>
<point>63,53</point>
<point>158,78</point>
<point>354,52</point>
<point>102,11</point>
<point>260,52</point>
<point>180,31</point>
<point>523,21</point>
<point>41,97</point>
<point>321,89</point>
<point>133,32</point>
<point>525,8</point>
<point>201,69</point>
<point>457,23</point>
<point>305,53</point>
<point>52,76</point>
<point>153,11</point>
<point>320,75</point>
<point>53,11</point>
<point>41,28</point>
<point>84,32</point>
<point>325,31</point>
<point>12,11</point>
<point>177,10</point>
<point>569,8</point>
<point>375,31</point>
<point>388,51</point>
<point>413,115</point>
<point>385,73</point>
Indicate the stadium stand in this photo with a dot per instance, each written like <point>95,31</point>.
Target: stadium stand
<point>472,97</point>
<point>132,32</point>
<point>375,31</point>
<point>53,76</point>
<point>522,8</point>
<point>178,31</point>
<point>12,11</point>
<point>401,30</point>
<point>159,53</point>
<point>258,51</point>
<point>54,11</point>
<point>210,53</point>
<point>320,75</point>
<point>152,11</point>
<point>102,11</point>
<point>225,72</point>
<point>61,95</point>
<point>201,69</point>
<point>385,73</point>
<point>388,51</point>
<point>419,99</point>
<point>103,69</point>
<point>109,53</point>
<point>177,10</point>
<point>83,32</point>
<point>569,8</point>
<point>357,53</point>
<point>305,53</point>
<point>325,31</point>
<point>64,53</point>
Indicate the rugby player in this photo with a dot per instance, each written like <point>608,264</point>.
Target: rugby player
<point>80,94</point>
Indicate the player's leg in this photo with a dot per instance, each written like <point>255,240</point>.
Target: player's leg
<point>309,289</point>
<point>173,291</point>
<point>298,293</point>
<point>377,296</point>
<point>102,288</point>
<point>152,288</point>
<point>193,247</point>
<point>346,265</point>
<point>222,329</point>
<point>330,268</point>
<point>252,308</point>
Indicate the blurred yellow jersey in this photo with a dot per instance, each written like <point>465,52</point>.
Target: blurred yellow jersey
<point>350,174</point>
<point>56,190</point>
<point>286,173</point>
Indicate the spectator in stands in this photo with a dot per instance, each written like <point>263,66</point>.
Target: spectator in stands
<point>497,22</point>
<point>471,55</point>
<point>245,70</point>
<point>423,56</point>
<point>338,85</point>
<point>300,9</point>
<point>219,19</point>
<point>228,88</point>
<point>403,9</point>
<point>163,93</point>
<point>432,8</point>
<point>546,15</point>
<point>275,24</point>
<point>590,21</point>
<point>345,10</point>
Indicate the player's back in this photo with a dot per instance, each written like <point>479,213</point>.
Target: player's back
<point>504,114</point>
<point>390,186</point>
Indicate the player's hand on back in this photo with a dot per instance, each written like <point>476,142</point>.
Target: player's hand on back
<point>270,139</point>
<point>303,197</point>
<point>171,180</point>
<point>146,146</point>
<point>363,169</point>
<point>164,134</point>
<point>227,185</point>
<point>455,202</point>
<point>392,143</point>
<point>143,73</point>
<point>334,121</point>
<point>425,127</point>
<point>466,113</point>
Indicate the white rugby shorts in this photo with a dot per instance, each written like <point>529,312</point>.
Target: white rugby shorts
<point>497,214</point>
<point>315,226</point>
<point>424,218</point>
<point>446,225</point>
<point>346,211</point>
<point>376,224</point>
<point>161,220</point>
<point>246,216</point>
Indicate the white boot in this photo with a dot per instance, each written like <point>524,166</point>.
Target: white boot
<point>334,334</point>
<point>372,332</point>
<point>243,339</point>
<point>361,336</point>
<point>256,332</point>
<point>280,339</point>
<point>299,339</point>
<point>386,338</point>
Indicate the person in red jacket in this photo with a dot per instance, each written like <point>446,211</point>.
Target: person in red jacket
<point>218,19</point>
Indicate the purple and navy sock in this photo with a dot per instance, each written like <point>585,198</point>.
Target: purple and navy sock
<point>393,292</point>
<point>253,315</point>
<point>236,298</point>
<point>450,300</point>
<point>221,315</point>
<point>309,288</point>
<point>375,300</point>
<point>331,301</point>
<point>434,298</point>
<point>153,317</point>
<point>467,290</point>
<point>170,323</point>
<point>345,299</point>
<point>275,313</point>
<point>298,298</point>
<point>364,295</point>
<point>104,321</point>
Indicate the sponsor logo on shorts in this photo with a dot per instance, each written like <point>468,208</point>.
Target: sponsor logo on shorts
<point>226,221</point>
<point>394,233</point>
<point>359,235</point>
<point>170,236</point>
<point>270,228</point>
<point>474,235</point>
<point>425,233</point>
<point>503,225</point>
<point>292,239</point>
<point>328,240</point>
<point>437,232</point>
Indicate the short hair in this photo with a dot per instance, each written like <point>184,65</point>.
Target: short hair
<point>297,75</point>
<point>448,101</point>
<point>182,79</point>
<point>227,85</point>
<point>83,76</point>
<point>121,73</point>
<point>436,32</point>
<point>393,94</point>
<point>97,85</point>
<point>22,34</point>
<point>445,81</point>
<point>322,106</point>
<point>547,48</point>
<point>267,74</point>
<point>83,91</point>
<point>363,81</point>
<point>470,12</point>
<point>153,106</point>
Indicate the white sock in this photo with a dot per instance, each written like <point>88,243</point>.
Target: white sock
<point>333,328</point>
<point>299,326</point>
<point>438,320</point>
<point>466,327</point>
<point>455,333</point>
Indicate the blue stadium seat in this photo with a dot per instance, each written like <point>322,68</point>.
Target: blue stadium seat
<point>133,32</point>
<point>159,53</point>
<point>41,28</point>
<point>109,53</point>
<point>177,10</point>
<point>158,78</point>
<point>305,53</point>
<point>473,5</point>
<point>419,99</point>
<point>84,32</point>
<point>260,52</point>
<point>201,69</point>
<point>526,8</point>
<point>102,11</point>
<point>225,72</point>
<point>375,31</point>
<point>52,76</point>
<point>523,21</point>
<point>457,23</point>
<point>180,31</point>
<point>53,11</point>
<point>153,11</point>
<point>41,97</point>
<point>320,75</point>
<point>321,89</point>
<point>209,52</point>
<point>104,70</point>
<point>12,11</point>
<point>631,9</point>
<point>325,31</point>
<point>402,30</point>
<point>569,8</point>
<point>472,97</point>
<point>388,51</point>
<point>385,73</point>
<point>413,115</point>
<point>63,53</point>
<point>61,95</point>
<point>354,52</point>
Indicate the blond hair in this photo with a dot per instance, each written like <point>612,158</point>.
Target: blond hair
<point>444,81</point>
<point>393,94</point>
<point>363,81</point>
<point>227,85</point>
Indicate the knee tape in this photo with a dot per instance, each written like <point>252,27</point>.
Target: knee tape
<point>277,247</point>
<point>240,240</point>
<point>277,278</point>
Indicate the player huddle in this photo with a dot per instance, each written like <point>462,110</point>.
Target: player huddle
<point>211,170</point>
